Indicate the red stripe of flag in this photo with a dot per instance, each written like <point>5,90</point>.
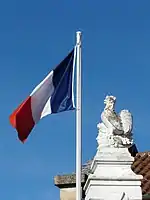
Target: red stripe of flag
<point>21,119</point>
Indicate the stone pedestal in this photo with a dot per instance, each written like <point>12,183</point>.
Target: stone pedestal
<point>111,176</point>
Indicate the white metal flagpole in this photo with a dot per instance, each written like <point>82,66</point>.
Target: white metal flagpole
<point>78,118</point>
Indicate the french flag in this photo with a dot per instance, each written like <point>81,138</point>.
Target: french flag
<point>53,95</point>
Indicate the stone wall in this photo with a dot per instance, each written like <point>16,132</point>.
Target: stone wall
<point>67,194</point>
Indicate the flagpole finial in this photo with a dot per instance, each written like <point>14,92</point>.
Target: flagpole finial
<point>78,35</point>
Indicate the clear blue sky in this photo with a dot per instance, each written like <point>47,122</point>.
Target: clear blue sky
<point>34,37</point>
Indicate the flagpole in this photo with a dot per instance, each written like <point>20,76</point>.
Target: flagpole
<point>78,117</point>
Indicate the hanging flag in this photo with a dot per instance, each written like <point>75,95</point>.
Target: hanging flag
<point>53,95</point>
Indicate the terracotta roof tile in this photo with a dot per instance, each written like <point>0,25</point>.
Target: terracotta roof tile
<point>141,165</point>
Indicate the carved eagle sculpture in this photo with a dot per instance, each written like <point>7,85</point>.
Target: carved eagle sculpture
<point>118,126</point>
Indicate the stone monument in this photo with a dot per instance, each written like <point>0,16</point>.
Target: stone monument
<point>111,176</point>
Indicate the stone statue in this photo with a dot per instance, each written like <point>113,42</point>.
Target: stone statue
<point>115,130</point>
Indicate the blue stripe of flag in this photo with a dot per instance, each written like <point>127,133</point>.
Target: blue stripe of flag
<point>61,99</point>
